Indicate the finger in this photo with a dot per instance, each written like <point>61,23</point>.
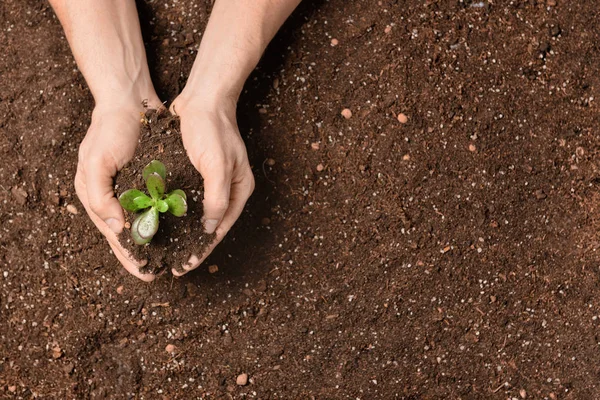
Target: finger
<point>99,174</point>
<point>217,174</point>
<point>129,262</point>
<point>240,192</point>
<point>129,266</point>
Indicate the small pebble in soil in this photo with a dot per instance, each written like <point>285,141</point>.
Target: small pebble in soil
<point>270,162</point>
<point>120,290</point>
<point>12,388</point>
<point>127,225</point>
<point>170,348</point>
<point>540,195</point>
<point>72,209</point>
<point>265,221</point>
<point>523,393</point>
<point>334,42</point>
<point>387,29</point>
<point>20,195</point>
<point>402,118</point>
<point>346,113</point>
<point>320,167</point>
<point>315,145</point>
<point>242,380</point>
<point>406,157</point>
<point>213,268</point>
<point>57,352</point>
<point>472,148</point>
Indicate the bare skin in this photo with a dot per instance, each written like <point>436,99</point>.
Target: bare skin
<point>106,41</point>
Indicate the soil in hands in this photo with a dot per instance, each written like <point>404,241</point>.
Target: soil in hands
<point>177,237</point>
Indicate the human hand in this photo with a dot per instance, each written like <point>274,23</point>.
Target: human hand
<point>213,143</point>
<point>109,144</point>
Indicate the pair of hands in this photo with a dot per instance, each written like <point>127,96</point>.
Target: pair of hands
<point>213,144</point>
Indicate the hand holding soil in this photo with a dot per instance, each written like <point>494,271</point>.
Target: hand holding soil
<point>215,148</point>
<point>108,145</point>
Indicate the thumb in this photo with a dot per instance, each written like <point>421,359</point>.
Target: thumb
<point>217,185</point>
<point>101,196</point>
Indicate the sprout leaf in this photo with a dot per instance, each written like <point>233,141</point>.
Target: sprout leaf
<point>156,186</point>
<point>179,192</point>
<point>162,206</point>
<point>134,232</point>
<point>155,167</point>
<point>147,223</point>
<point>134,200</point>
<point>177,204</point>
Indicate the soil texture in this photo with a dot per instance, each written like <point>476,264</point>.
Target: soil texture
<point>424,224</point>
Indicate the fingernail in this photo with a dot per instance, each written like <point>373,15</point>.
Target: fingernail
<point>210,225</point>
<point>114,225</point>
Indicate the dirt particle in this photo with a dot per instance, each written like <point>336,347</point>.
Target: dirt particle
<point>12,388</point>
<point>346,113</point>
<point>242,380</point>
<point>387,29</point>
<point>406,157</point>
<point>120,289</point>
<point>523,393</point>
<point>580,151</point>
<point>472,148</point>
<point>540,195</point>
<point>213,268</point>
<point>68,368</point>
<point>127,225</point>
<point>262,110</point>
<point>72,209</point>
<point>315,145</point>
<point>57,352</point>
<point>270,162</point>
<point>265,221</point>
<point>402,118</point>
<point>334,42</point>
<point>20,195</point>
<point>320,167</point>
<point>170,348</point>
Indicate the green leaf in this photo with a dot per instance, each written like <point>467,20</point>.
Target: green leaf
<point>134,200</point>
<point>147,223</point>
<point>177,204</point>
<point>155,166</point>
<point>134,232</point>
<point>162,206</point>
<point>156,186</point>
<point>179,192</point>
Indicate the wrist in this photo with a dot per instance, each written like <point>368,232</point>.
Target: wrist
<point>207,99</point>
<point>127,94</point>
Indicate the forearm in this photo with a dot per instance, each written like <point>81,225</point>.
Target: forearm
<point>237,34</point>
<point>106,41</point>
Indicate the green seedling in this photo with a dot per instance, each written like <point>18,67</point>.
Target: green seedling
<point>145,224</point>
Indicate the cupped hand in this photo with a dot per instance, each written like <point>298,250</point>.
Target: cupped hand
<point>109,144</point>
<point>212,140</point>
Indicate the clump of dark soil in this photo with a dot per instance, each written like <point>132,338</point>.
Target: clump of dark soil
<point>177,237</point>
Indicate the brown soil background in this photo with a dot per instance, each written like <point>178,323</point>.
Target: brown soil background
<point>410,267</point>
